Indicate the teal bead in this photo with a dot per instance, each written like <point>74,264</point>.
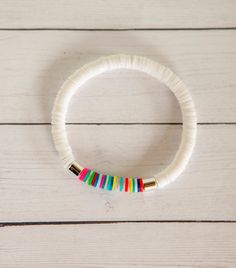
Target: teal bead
<point>104,182</point>
<point>121,184</point>
<point>87,175</point>
<point>134,185</point>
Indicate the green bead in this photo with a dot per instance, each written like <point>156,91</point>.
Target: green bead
<point>91,178</point>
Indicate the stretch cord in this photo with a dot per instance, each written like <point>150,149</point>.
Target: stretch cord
<point>154,69</point>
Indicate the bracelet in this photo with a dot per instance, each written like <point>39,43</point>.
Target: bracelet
<point>123,184</point>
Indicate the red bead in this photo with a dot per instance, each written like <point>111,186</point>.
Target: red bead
<point>141,185</point>
<point>126,184</point>
<point>94,178</point>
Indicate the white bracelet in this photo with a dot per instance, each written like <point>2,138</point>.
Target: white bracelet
<point>108,63</point>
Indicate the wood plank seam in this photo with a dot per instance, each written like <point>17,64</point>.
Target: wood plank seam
<point>118,29</point>
<point>118,124</point>
<point>8,224</point>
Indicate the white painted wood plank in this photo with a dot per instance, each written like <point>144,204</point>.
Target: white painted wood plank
<point>34,65</point>
<point>122,14</point>
<point>34,186</point>
<point>119,245</point>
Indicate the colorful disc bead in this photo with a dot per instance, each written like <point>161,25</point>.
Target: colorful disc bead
<point>111,183</point>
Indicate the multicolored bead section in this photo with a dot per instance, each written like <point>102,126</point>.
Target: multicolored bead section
<point>111,183</point>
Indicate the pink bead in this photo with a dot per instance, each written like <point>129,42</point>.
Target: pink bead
<point>102,180</point>
<point>83,174</point>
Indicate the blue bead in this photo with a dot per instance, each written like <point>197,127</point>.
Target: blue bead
<point>138,181</point>
<point>96,180</point>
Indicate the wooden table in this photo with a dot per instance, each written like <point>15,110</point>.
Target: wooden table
<point>122,122</point>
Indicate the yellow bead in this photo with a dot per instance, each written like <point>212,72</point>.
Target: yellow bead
<point>130,185</point>
<point>114,183</point>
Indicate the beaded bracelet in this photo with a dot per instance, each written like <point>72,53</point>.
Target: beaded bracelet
<point>125,184</point>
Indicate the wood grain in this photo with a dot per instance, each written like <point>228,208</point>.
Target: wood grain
<point>119,245</point>
<point>34,64</point>
<point>34,186</point>
<point>122,14</point>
